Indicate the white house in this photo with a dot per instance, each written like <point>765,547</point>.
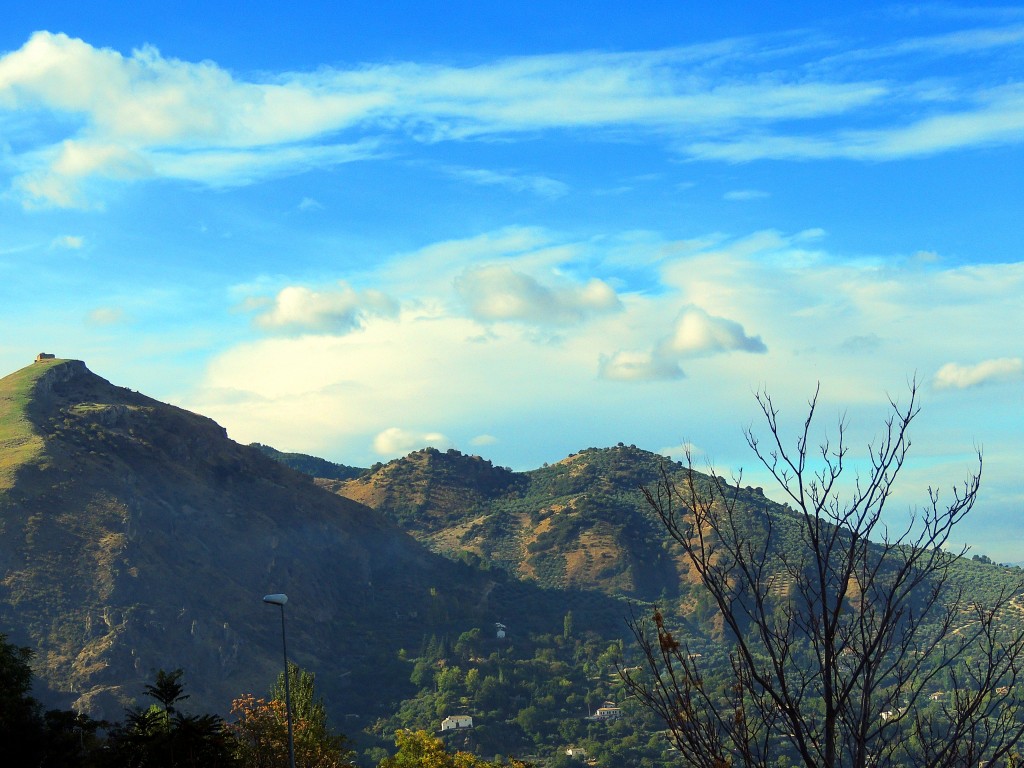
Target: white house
<point>454,722</point>
<point>892,714</point>
<point>608,712</point>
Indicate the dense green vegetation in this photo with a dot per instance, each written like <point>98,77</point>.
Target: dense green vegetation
<point>529,696</point>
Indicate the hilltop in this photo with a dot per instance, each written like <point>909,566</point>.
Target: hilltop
<point>580,522</point>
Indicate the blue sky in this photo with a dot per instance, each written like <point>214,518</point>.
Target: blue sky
<point>523,231</point>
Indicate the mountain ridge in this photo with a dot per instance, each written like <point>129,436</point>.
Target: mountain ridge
<point>136,536</point>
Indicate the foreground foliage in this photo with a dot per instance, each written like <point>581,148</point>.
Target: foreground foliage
<point>419,749</point>
<point>260,727</point>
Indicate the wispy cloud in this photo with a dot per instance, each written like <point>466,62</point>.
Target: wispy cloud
<point>541,186</point>
<point>742,195</point>
<point>91,116</point>
<point>955,376</point>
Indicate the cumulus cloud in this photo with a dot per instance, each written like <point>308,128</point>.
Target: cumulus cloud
<point>297,309</point>
<point>396,441</point>
<point>697,333</point>
<point>497,293</point>
<point>955,376</point>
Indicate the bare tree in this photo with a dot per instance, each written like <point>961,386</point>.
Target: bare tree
<point>839,629</point>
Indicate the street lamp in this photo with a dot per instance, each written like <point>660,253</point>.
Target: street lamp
<point>280,600</point>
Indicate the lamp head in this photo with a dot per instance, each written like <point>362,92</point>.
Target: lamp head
<point>276,599</point>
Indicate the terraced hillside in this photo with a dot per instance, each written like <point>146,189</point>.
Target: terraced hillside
<point>583,522</point>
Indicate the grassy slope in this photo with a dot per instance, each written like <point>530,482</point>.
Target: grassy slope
<point>19,441</point>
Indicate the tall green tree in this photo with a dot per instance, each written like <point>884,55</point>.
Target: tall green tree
<point>261,732</point>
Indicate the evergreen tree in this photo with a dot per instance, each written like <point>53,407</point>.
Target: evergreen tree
<point>20,719</point>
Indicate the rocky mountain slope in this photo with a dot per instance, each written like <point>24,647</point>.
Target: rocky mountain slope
<point>135,536</point>
<point>579,523</point>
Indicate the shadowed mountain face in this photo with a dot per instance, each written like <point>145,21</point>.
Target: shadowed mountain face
<point>136,536</point>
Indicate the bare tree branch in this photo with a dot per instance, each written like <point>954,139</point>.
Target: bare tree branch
<point>837,668</point>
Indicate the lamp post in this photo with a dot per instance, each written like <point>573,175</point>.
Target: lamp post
<point>279,600</point>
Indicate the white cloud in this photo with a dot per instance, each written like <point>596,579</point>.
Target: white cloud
<point>297,309</point>
<point>995,117</point>
<point>497,293</point>
<point>542,186</point>
<point>106,316</point>
<point>638,366</point>
<point>679,452</point>
<point>695,334</point>
<point>71,242</point>
<point>743,195</point>
<point>860,327</point>
<point>955,376</point>
<point>395,441</point>
<point>95,113</point>
<point>698,333</point>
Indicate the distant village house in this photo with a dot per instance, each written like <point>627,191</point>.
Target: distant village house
<point>455,722</point>
<point>44,356</point>
<point>608,712</point>
<point>892,714</point>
